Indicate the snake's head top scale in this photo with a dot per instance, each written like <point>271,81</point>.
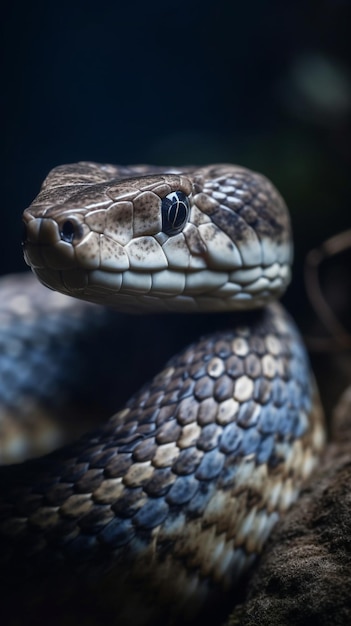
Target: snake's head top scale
<point>148,238</point>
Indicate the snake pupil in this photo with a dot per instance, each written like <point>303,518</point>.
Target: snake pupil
<point>175,211</point>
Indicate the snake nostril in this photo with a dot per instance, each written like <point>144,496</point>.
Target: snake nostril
<point>70,231</point>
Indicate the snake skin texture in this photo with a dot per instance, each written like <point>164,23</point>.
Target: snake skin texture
<point>156,515</point>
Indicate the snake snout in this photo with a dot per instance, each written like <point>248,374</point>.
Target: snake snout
<point>48,243</point>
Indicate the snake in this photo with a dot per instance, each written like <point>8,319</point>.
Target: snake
<point>157,514</point>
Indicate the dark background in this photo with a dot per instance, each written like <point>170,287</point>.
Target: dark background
<point>262,83</point>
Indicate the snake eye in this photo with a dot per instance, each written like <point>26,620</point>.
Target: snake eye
<point>70,230</point>
<point>175,211</point>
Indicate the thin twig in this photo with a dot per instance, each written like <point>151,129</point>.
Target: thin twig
<point>340,338</point>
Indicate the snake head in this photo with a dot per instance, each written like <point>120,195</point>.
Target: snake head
<point>146,238</point>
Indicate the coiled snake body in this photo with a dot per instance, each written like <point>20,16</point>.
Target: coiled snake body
<point>163,508</point>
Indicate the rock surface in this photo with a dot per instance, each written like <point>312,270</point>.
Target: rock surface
<point>304,576</point>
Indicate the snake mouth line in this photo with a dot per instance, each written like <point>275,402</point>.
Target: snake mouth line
<point>169,290</point>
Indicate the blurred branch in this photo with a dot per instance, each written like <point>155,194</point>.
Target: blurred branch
<point>340,338</point>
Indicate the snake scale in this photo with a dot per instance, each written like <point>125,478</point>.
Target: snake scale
<point>158,513</point>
